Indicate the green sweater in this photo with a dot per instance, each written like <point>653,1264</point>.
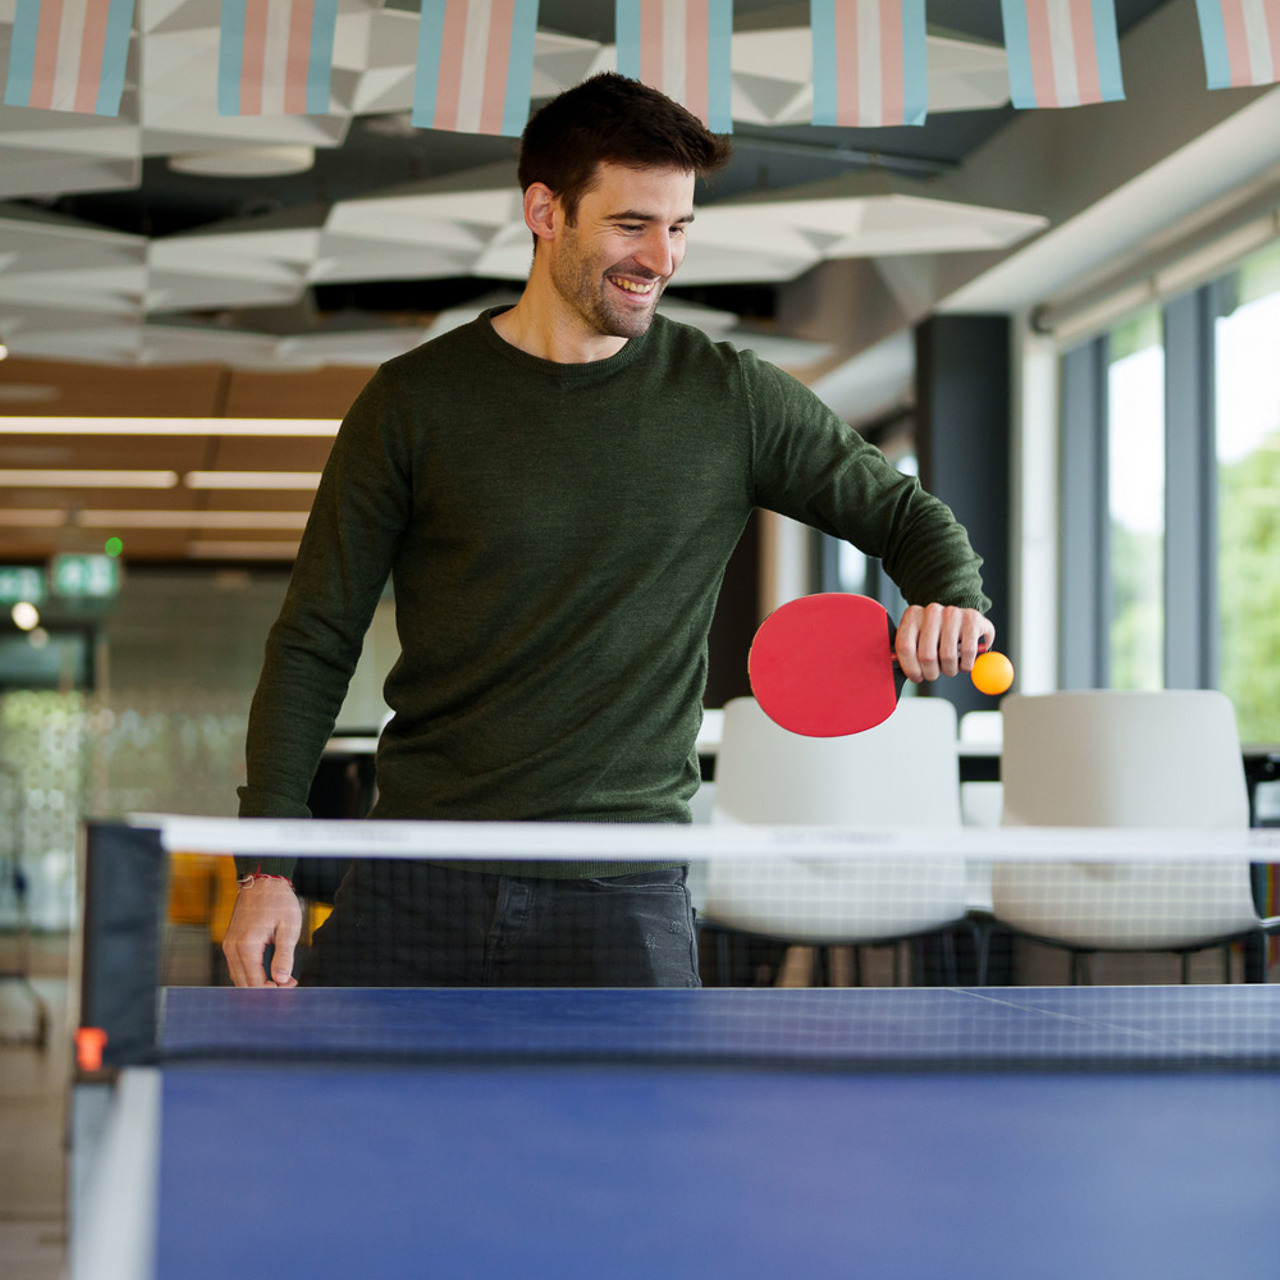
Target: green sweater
<point>556,535</point>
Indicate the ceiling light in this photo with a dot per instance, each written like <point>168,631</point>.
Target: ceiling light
<point>192,519</point>
<point>245,162</point>
<point>242,550</point>
<point>31,478</point>
<point>25,615</point>
<point>51,426</point>
<point>32,518</point>
<point>251,479</point>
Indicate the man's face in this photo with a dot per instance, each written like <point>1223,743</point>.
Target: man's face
<point>611,265</point>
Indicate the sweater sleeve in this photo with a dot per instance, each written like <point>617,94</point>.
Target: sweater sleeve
<point>357,522</point>
<point>813,467</point>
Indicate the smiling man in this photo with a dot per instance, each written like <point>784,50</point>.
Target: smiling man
<point>555,490</point>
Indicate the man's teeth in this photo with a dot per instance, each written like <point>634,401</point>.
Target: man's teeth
<point>633,286</point>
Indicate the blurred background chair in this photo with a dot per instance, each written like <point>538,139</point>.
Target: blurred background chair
<point>904,772</point>
<point>1168,759</point>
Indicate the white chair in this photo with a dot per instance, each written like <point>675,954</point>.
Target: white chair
<point>1118,758</point>
<point>903,772</point>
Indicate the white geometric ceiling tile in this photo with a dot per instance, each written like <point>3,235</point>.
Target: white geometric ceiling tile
<point>869,214</point>
<point>166,16</point>
<point>290,235</point>
<point>711,263</point>
<point>269,285</point>
<point>360,347</point>
<point>341,259</point>
<point>192,344</point>
<point>27,174</point>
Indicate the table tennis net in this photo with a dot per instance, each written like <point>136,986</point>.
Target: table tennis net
<point>801,913</point>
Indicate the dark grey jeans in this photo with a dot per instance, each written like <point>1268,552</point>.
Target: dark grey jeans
<point>397,924</point>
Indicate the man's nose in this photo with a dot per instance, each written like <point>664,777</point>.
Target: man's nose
<point>657,253</point>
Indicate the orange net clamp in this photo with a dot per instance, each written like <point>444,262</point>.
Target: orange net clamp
<point>90,1042</point>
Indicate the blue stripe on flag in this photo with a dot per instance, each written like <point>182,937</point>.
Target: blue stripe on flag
<point>324,19</point>
<point>115,57</point>
<point>426,80</point>
<point>627,37</point>
<point>1017,48</point>
<point>230,57</point>
<point>1213,36</point>
<point>915,63</point>
<point>1107,42</point>
<point>720,66</point>
<point>822,23</point>
<point>22,54</point>
<point>524,30</point>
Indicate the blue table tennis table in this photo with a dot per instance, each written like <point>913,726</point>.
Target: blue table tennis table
<point>1081,1133</point>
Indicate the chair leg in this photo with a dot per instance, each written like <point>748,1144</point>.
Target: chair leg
<point>949,957</point>
<point>982,945</point>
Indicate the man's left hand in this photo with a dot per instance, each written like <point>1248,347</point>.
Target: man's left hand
<point>940,640</point>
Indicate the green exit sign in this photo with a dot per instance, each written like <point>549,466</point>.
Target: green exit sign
<point>21,582</point>
<point>84,577</point>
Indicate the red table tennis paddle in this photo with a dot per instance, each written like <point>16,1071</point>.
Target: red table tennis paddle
<point>823,665</point>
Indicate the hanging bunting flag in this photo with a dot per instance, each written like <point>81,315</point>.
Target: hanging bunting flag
<point>475,65</point>
<point>870,65</point>
<point>69,55</point>
<point>276,57</point>
<point>1062,53</point>
<point>684,48</point>
<point>1241,40</point>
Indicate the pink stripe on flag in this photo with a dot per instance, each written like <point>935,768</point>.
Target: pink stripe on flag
<point>1237,37</point>
<point>1088,81</point>
<point>45,67</point>
<point>1041,49</point>
<point>892,66</point>
<point>253,58</point>
<point>92,48</point>
<point>453,43</point>
<point>497,60</point>
<point>651,60</point>
<point>697,86</point>
<point>846,38</point>
<point>298,57</point>
<point>1273,35</point>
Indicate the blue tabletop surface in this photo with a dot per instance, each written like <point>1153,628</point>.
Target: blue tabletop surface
<point>667,1152</point>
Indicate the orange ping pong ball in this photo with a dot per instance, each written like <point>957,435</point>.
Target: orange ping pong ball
<point>992,672</point>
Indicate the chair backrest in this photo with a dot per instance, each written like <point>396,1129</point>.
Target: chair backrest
<point>904,772</point>
<point>1123,758</point>
<point>1168,759</point>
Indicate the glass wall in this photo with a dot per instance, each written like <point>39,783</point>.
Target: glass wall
<point>1136,501</point>
<point>1247,401</point>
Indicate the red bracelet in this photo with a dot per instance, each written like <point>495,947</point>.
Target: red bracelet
<point>254,876</point>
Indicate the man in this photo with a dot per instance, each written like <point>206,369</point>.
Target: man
<point>555,490</point>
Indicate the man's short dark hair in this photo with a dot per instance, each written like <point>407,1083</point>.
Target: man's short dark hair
<point>611,119</point>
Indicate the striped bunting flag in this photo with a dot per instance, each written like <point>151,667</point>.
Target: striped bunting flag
<point>475,65</point>
<point>869,62</point>
<point>275,57</point>
<point>1241,40</point>
<point>1062,53</point>
<point>684,48</point>
<point>69,55</point>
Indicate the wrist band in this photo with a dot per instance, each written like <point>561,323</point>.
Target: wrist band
<point>254,876</point>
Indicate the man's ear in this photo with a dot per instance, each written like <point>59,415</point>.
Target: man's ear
<point>542,213</point>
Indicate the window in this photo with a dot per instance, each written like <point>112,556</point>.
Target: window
<point>1247,402</point>
<point>1136,501</point>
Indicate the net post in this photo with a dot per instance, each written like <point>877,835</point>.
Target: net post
<point>120,943</point>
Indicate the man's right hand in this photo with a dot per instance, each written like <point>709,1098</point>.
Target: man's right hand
<point>267,912</point>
